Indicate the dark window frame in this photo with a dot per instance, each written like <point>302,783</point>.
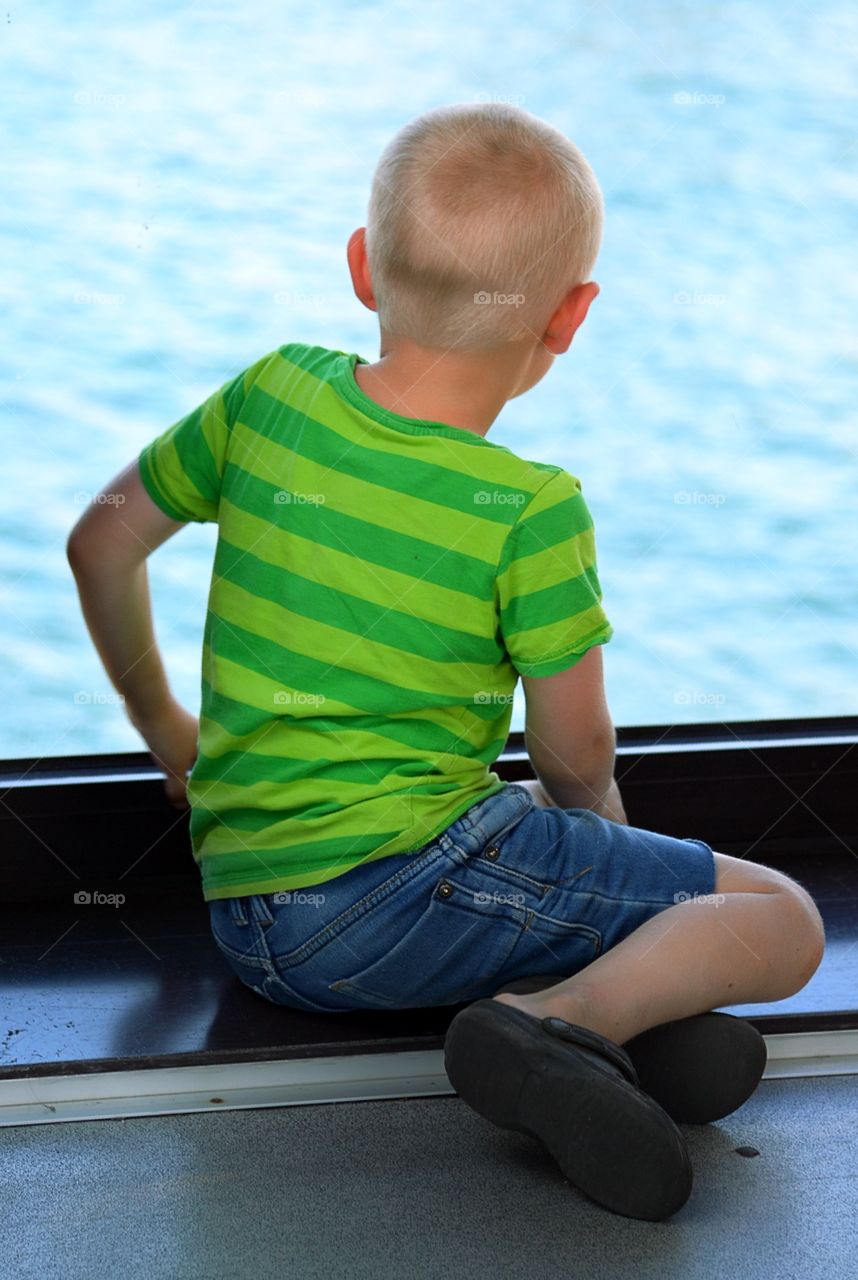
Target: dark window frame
<point>761,789</point>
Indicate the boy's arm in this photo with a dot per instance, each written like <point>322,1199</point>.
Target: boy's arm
<point>570,737</point>
<point>107,551</point>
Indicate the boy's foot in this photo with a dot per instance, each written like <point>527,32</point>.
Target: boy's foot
<point>577,1093</point>
<point>699,1069</point>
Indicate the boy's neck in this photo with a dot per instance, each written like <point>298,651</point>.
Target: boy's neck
<point>464,389</point>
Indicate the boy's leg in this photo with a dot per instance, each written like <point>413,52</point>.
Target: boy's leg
<point>759,937</point>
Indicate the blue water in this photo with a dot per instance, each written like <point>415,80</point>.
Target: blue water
<point>180,185</point>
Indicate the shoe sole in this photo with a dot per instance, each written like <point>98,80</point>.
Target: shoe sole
<point>699,1069</point>
<point>612,1141</point>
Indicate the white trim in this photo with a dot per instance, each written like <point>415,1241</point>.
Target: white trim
<point>110,1095</point>
<point>667,747</point>
<point>170,1090</point>
<point>811,1053</point>
<point>737,743</point>
<point>76,779</point>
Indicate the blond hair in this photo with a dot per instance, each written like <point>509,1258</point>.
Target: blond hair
<point>481,219</point>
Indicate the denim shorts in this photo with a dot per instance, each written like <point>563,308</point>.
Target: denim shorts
<point>510,889</point>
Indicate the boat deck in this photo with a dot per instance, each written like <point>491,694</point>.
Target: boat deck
<point>421,1188</point>
<point>217,1135</point>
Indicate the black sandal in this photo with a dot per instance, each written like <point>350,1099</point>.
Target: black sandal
<point>578,1094</point>
<point>699,1069</point>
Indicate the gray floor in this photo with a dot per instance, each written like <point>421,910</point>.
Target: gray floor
<point>421,1189</point>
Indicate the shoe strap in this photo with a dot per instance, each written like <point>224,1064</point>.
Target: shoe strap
<point>587,1039</point>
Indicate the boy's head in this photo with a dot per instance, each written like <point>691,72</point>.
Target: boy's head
<point>481,219</point>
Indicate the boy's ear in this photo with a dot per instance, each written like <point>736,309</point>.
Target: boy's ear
<point>569,317</point>
<point>359,268</point>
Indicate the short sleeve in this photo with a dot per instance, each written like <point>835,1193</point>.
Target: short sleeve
<point>549,597</point>
<point>182,470</point>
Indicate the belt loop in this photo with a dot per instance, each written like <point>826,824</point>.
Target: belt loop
<point>260,909</point>
<point>501,831</point>
<point>236,910</point>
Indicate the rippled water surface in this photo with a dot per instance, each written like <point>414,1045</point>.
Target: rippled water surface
<point>180,184</point>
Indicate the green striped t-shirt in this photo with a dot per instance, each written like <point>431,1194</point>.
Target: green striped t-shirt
<point>378,584</point>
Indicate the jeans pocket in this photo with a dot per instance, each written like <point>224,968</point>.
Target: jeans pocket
<point>448,953</point>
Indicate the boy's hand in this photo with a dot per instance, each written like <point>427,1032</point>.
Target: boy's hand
<point>171,733</point>
<point>107,551</point>
<point>612,805</point>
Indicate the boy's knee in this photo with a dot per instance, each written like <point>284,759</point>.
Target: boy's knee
<point>802,921</point>
<point>814,927</point>
<point>804,926</point>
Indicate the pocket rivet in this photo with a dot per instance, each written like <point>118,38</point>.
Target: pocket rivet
<point>492,852</point>
<point>445,889</point>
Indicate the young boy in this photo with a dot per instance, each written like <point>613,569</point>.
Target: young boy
<point>383,576</point>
